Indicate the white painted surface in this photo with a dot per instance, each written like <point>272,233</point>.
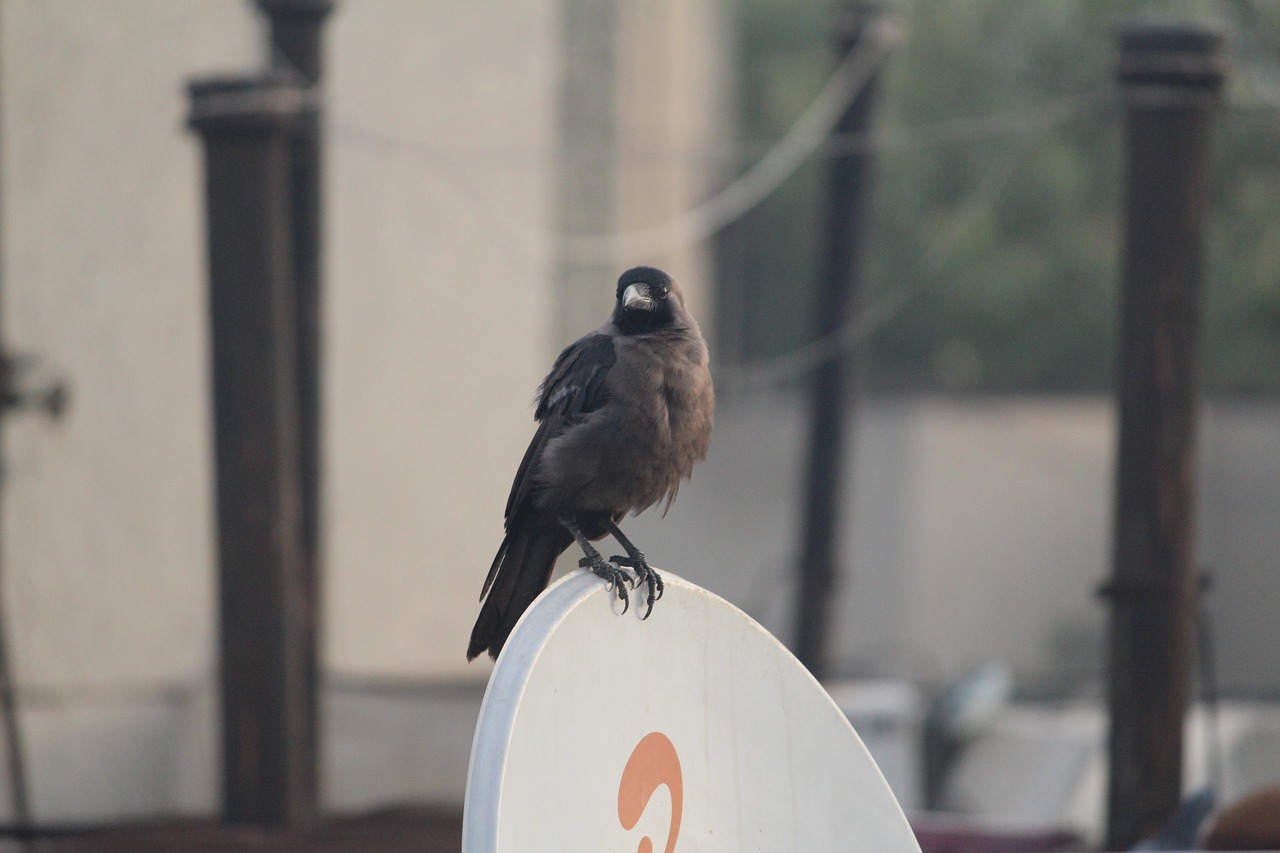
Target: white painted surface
<point>698,706</point>
<point>889,718</point>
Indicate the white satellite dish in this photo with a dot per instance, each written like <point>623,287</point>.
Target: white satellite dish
<point>695,730</point>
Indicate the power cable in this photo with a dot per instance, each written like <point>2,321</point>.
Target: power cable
<point>754,376</point>
<point>731,203</point>
<point>758,182</point>
<point>799,143</point>
<point>810,135</point>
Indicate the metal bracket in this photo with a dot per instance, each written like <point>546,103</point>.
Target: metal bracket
<point>1147,588</point>
<point>48,398</point>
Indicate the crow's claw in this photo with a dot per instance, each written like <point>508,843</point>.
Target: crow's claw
<point>645,574</point>
<point>619,581</point>
<point>632,583</point>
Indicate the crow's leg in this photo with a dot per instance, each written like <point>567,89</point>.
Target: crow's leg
<point>635,560</point>
<point>619,581</point>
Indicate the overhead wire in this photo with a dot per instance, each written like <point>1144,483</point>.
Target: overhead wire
<point>700,222</point>
<point>768,173</point>
<point>811,135</point>
<point>353,134</point>
<point>790,366</point>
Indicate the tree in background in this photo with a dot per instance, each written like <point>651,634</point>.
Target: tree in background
<point>999,194</point>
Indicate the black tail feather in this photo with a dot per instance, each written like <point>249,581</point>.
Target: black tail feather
<point>523,568</point>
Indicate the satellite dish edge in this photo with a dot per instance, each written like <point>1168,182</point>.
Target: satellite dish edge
<point>694,730</point>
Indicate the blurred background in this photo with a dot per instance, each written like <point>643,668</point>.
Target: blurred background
<point>489,167</point>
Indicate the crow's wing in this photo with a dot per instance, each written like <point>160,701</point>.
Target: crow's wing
<point>573,389</point>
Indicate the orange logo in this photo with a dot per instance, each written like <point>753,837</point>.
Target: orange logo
<point>653,762</point>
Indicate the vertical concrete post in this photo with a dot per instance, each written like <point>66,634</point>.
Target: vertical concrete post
<point>266,618</point>
<point>297,37</point>
<point>1171,76</point>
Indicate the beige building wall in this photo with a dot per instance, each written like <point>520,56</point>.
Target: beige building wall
<point>442,303</point>
<point>106,535</point>
<point>441,192</point>
<point>633,170</point>
<point>106,528</point>
<point>1013,513</point>
<point>673,116</point>
<point>437,305</point>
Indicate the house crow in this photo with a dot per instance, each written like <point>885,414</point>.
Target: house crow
<point>622,417</point>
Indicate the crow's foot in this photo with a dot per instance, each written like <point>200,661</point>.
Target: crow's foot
<point>619,580</point>
<point>645,574</point>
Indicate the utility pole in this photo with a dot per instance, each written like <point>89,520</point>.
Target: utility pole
<point>1171,76</point>
<point>248,126</point>
<point>839,302</point>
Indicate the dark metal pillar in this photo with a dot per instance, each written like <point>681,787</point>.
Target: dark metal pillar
<point>1171,76</point>
<point>297,30</point>
<point>267,619</point>
<point>839,301</point>
<point>297,35</point>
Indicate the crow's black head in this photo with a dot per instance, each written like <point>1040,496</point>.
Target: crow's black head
<point>647,300</point>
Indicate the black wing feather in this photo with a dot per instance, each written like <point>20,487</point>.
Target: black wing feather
<point>573,389</point>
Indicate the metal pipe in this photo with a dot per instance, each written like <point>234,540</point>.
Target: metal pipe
<point>266,617</point>
<point>297,29</point>
<point>1171,76</point>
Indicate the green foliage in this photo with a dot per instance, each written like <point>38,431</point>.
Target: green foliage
<point>998,194</point>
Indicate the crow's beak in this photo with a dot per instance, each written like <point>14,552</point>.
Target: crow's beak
<point>636,298</point>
